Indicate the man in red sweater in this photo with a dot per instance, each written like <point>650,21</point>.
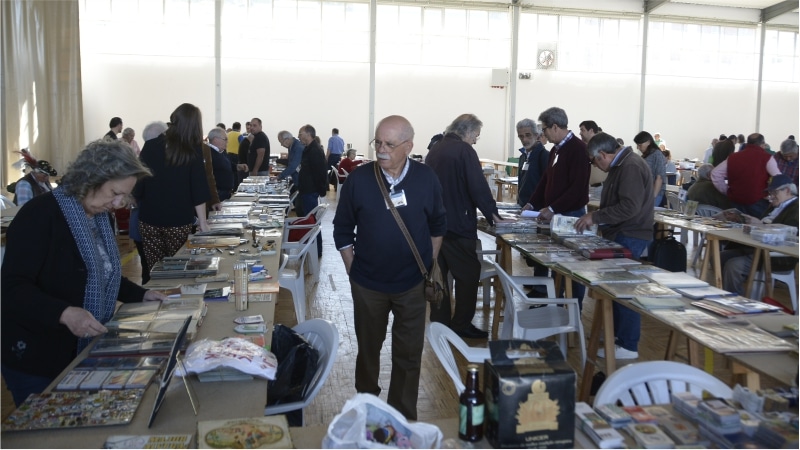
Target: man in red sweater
<point>748,172</point>
<point>564,187</point>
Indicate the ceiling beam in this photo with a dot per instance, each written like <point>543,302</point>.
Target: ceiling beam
<point>650,5</point>
<point>777,9</point>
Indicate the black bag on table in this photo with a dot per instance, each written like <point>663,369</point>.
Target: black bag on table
<point>297,365</point>
<point>667,253</point>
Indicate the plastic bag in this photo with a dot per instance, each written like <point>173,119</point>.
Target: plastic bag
<point>366,421</point>
<point>297,365</point>
<point>236,353</point>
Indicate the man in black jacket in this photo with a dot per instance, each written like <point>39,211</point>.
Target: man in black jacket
<point>463,189</point>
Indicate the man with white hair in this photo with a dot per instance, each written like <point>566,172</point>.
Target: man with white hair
<point>220,164</point>
<point>783,210</point>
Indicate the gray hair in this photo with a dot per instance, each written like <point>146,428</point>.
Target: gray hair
<point>526,123</point>
<point>704,171</point>
<point>351,151</point>
<point>128,133</point>
<point>465,125</point>
<point>601,142</point>
<point>792,188</point>
<point>554,116</point>
<point>788,147</point>
<point>99,162</point>
<point>284,135</point>
<point>216,132</point>
<point>153,130</point>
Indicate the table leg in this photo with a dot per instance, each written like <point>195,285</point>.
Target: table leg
<point>752,379</point>
<point>499,190</point>
<point>711,242</point>
<point>608,326</point>
<point>767,273</point>
<point>748,285</point>
<point>672,345</point>
<point>591,353</point>
<point>694,353</point>
<point>717,268</point>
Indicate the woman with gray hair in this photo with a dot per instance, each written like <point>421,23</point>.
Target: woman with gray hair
<point>704,192</point>
<point>128,136</point>
<point>61,272</point>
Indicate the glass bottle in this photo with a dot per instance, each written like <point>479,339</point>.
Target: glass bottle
<point>471,408</point>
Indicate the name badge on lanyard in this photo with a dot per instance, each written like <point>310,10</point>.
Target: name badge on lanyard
<point>525,166</point>
<point>398,199</point>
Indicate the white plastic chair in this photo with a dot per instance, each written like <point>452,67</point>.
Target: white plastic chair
<point>6,203</point>
<point>703,211</point>
<point>652,382</point>
<point>334,173</point>
<point>289,224</point>
<point>440,337</point>
<point>486,274</point>
<point>559,315</point>
<point>787,278</point>
<point>324,337</point>
<point>291,274</point>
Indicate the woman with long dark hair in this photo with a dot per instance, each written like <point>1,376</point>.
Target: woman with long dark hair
<point>657,162</point>
<point>177,192</point>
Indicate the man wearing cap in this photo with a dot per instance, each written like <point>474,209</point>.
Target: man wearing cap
<point>36,182</point>
<point>736,260</point>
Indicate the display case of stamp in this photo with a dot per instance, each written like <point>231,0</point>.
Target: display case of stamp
<point>530,396</point>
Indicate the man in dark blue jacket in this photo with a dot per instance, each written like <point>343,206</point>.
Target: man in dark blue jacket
<point>384,275</point>
<point>463,189</point>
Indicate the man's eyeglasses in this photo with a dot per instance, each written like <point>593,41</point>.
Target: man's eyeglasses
<point>376,145</point>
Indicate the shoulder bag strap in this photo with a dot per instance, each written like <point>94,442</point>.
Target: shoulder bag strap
<point>399,219</point>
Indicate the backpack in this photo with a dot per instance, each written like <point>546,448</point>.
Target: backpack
<point>667,253</point>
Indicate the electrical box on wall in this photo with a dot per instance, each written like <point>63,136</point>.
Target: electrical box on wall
<point>500,77</point>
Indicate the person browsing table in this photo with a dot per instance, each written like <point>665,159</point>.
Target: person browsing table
<point>61,271</point>
<point>626,217</point>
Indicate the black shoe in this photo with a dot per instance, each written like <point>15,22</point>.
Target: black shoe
<point>472,332</point>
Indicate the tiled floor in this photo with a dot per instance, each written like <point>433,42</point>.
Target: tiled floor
<point>330,298</point>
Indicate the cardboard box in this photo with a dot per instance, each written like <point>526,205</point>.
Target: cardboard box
<point>530,396</point>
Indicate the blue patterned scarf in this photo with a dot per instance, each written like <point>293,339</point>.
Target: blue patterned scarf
<point>101,288</point>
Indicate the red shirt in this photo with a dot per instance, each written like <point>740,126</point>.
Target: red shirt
<point>349,165</point>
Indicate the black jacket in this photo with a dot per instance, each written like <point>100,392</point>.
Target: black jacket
<point>43,273</point>
<point>313,170</point>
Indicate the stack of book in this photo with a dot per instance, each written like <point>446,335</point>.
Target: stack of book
<point>649,435</point>
<point>718,417</point>
<point>625,290</point>
<point>597,428</point>
<point>595,278</point>
<point>615,415</point>
<point>734,306</point>
<point>703,292</point>
<point>655,303</point>
<point>685,403</point>
<point>186,266</point>
<point>675,279</point>
<point>776,434</point>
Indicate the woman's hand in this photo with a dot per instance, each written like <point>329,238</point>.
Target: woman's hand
<point>154,296</point>
<point>81,322</point>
